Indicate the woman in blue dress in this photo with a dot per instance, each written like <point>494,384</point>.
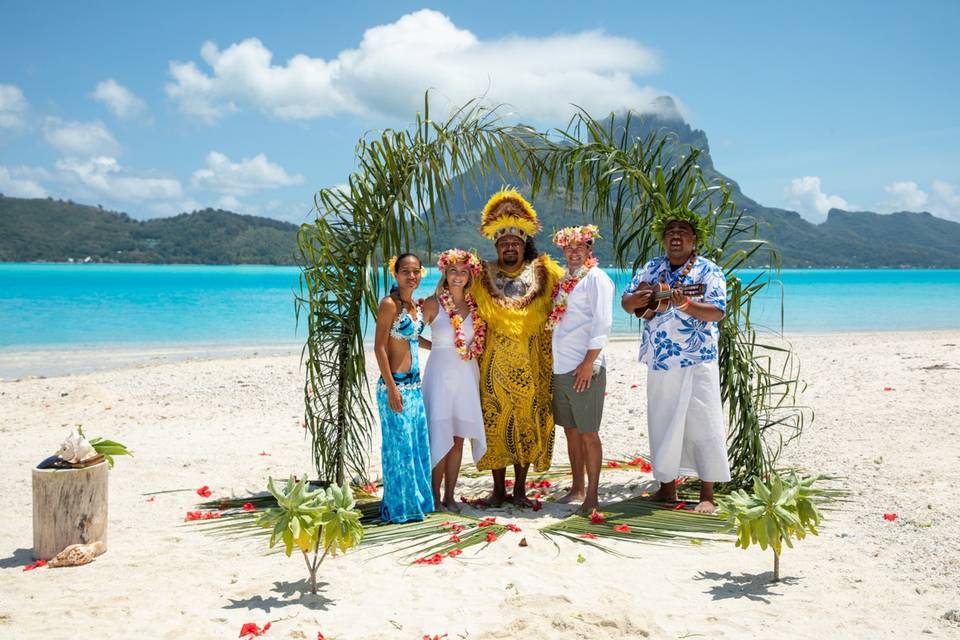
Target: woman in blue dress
<point>405,452</point>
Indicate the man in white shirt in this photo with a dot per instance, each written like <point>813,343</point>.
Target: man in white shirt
<point>580,319</point>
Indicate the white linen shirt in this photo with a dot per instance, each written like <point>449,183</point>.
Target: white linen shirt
<point>586,323</point>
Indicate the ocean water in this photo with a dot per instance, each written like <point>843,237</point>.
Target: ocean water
<point>49,305</point>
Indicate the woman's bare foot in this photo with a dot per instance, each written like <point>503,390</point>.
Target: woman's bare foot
<point>573,496</point>
<point>451,506</point>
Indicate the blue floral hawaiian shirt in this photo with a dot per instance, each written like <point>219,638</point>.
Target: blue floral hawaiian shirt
<point>673,338</point>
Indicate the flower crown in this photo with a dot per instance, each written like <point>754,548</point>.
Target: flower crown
<point>508,213</point>
<point>458,256</point>
<point>576,235</point>
<point>392,265</point>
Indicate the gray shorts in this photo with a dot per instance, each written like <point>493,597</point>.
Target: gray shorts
<point>582,410</point>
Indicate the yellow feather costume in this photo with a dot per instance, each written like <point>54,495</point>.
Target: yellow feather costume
<point>516,367</point>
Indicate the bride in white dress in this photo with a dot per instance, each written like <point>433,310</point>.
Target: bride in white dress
<point>451,380</point>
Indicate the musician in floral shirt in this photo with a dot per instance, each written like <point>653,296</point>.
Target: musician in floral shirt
<point>679,346</point>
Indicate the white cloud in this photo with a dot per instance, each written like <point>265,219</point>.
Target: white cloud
<point>807,197</point>
<point>80,138</point>
<point>22,182</point>
<point>122,102</point>
<point>906,196</point>
<point>230,203</point>
<point>13,107</point>
<point>395,63</point>
<point>945,201</point>
<point>241,178</point>
<point>104,177</point>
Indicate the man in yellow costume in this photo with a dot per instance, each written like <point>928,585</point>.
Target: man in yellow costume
<point>516,367</point>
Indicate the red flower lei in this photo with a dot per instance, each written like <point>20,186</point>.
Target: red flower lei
<point>479,326</point>
<point>561,291</point>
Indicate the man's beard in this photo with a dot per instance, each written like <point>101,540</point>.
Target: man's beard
<point>510,260</point>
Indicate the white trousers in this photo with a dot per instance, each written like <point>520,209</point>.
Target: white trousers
<point>685,423</point>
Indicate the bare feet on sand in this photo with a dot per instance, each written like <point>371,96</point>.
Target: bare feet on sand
<point>520,499</point>
<point>451,506</point>
<point>495,499</point>
<point>573,496</point>
<point>589,505</point>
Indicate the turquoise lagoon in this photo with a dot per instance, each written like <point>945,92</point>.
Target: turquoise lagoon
<point>70,305</point>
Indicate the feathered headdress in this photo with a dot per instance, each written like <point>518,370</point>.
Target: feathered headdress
<point>508,213</point>
<point>681,214</point>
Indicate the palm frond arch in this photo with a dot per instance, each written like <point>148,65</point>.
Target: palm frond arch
<point>406,179</point>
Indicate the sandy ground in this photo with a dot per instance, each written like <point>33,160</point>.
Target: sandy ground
<point>206,422</point>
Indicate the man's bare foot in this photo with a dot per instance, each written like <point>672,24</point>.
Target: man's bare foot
<point>705,506</point>
<point>451,506</point>
<point>589,505</point>
<point>573,496</point>
<point>520,499</point>
<point>495,499</point>
<point>666,493</point>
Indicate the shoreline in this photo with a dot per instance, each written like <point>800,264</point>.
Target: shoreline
<point>54,361</point>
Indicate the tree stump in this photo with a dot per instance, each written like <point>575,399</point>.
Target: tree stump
<point>69,507</point>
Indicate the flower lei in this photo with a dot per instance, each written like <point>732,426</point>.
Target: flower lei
<point>456,320</point>
<point>561,291</point>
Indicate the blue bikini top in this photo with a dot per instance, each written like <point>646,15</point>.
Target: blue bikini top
<point>406,327</point>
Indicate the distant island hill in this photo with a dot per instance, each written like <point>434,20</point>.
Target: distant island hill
<point>49,230</point>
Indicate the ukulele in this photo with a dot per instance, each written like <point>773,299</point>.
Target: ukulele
<point>660,299</point>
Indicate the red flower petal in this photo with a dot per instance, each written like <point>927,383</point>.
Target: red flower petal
<point>248,507</point>
<point>646,467</point>
<point>204,492</point>
<point>35,565</point>
<point>192,515</point>
<point>622,528</point>
<point>588,536</point>
<point>152,499</point>
<point>370,488</point>
<point>457,528</point>
<point>514,528</point>
<point>537,505</point>
<point>613,464</point>
<point>544,484</point>
<point>596,517</point>
<point>210,515</point>
<point>320,636</point>
<point>491,536</point>
<point>537,495</point>
<point>453,553</point>
<point>263,453</point>
<point>634,386</point>
<point>890,516</point>
<point>489,520</point>
<point>888,388</point>
<point>508,483</point>
<point>682,505</point>
<point>454,538</point>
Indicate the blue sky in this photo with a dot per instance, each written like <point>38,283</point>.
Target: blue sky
<point>156,108</point>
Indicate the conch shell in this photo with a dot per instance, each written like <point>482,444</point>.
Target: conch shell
<point>76,554</point>
<point>76,449</point>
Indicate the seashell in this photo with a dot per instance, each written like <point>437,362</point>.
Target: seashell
<point>76,554</point>
<point>76,449</point>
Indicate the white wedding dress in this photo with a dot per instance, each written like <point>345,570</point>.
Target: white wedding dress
<point>451,392</point>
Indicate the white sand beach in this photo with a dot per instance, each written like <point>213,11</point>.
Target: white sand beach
<point>208,421</point>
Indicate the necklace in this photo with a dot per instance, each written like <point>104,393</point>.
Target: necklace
<point>561,291</point>
<point>456,321</point>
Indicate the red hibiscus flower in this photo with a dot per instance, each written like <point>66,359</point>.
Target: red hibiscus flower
<point>370,488</point>
<point>537,505</point>
<point>210,515</point>
<point>613,464</point>
<point>681,506</point>
<point>253,630</point>
<point>596,517</point>
<point>248,507</point>
<point>457,528</point>
<point>634,386</point>
<point>204,492</point>
<point>491,536</point>
<point>622,528</point>
<point>513,527</point>
<point>454,538</point>
<point>193,515</point>
<point>588,536</point>
<point>544,484</point>
<point>635,462</point>
<point>320,636</point>
<point>436,558</point>
<point>508,483</point>
<point>35,565</point>
<point>890,516</point>
<point>646,467</point>
<point>488,521</point>
<point>531,484</point>
<point>537,495</point>
<point>453,553</point>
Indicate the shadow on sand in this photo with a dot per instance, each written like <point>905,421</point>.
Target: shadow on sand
<point>752,587</point>
<point>288,593</point>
